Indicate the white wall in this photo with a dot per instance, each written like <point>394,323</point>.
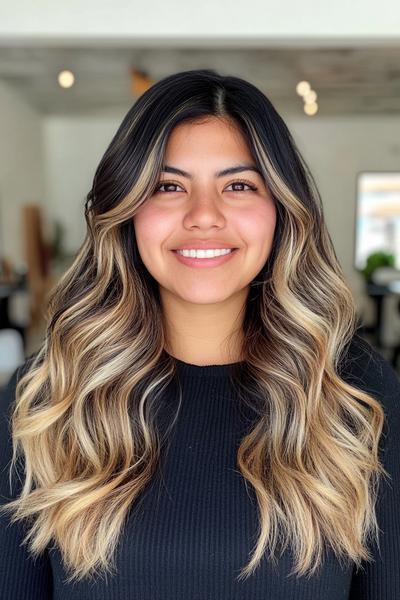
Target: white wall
<point>73,148</point>
<point>336,149</point>
<point>178,22</point>
<point>21,168</point>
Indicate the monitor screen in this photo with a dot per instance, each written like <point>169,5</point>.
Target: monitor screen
<point>377,227</point>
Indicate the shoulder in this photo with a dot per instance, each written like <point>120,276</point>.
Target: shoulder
<point>366,368</point>
<point>7,400</point>
<point>7,393</point>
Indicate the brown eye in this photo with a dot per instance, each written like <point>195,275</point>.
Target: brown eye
<point>167,184</point>
<point>245,183</point>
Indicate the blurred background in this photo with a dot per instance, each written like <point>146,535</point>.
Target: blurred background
<point>69,72</point>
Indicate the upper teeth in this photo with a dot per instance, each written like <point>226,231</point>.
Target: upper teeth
<point>205,253</point>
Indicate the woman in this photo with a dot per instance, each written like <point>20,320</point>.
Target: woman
<point>202,424</point>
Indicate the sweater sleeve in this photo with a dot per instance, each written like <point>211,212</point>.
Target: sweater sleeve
<point>21,575</point>
<point>380,579</point>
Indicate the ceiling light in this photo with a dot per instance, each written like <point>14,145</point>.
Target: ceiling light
<point>310,97</point>
<point>302,88</point>
<point>66,79</point>
<point>311,108</point>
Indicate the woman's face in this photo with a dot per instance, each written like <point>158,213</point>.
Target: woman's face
<point>201,205</point>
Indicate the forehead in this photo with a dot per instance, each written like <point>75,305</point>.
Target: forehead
<point>213,136</point>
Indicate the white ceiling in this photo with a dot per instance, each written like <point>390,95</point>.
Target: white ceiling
<point>348,80</point>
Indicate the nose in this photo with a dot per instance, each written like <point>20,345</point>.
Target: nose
<point>205,209</point>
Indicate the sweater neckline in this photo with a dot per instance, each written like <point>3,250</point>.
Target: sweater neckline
<point>211,370</point>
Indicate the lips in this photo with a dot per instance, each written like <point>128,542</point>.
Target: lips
<point>207,262</point>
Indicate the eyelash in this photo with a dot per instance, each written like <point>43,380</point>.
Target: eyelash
<point>250,185</point>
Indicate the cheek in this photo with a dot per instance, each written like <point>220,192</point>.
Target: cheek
<point>151,229</point>
<point>258,227</point>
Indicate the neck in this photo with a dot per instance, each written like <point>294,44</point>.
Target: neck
<point>204,334</point>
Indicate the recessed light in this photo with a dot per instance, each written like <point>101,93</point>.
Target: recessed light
<point>66,79</point>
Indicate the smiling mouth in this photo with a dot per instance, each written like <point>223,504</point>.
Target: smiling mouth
<point>231,249</point>
<point>211,261</point>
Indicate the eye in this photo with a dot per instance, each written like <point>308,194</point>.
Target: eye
<point>236,182</point>
<point>160,184</point>
<point>243,182</point>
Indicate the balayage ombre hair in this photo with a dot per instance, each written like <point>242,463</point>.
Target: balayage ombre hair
<point>84,416</point>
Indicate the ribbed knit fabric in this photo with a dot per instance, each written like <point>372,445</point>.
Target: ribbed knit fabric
<point>197,523</point>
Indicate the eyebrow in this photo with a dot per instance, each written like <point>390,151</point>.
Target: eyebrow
<point>228,171</point>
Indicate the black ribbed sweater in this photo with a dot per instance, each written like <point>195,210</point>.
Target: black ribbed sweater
<point>195,527</point>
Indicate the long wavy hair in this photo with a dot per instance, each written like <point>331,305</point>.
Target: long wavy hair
<point>84,420</point>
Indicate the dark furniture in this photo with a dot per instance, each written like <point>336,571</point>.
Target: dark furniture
<point>6,292</point>
<point>378,293</point>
